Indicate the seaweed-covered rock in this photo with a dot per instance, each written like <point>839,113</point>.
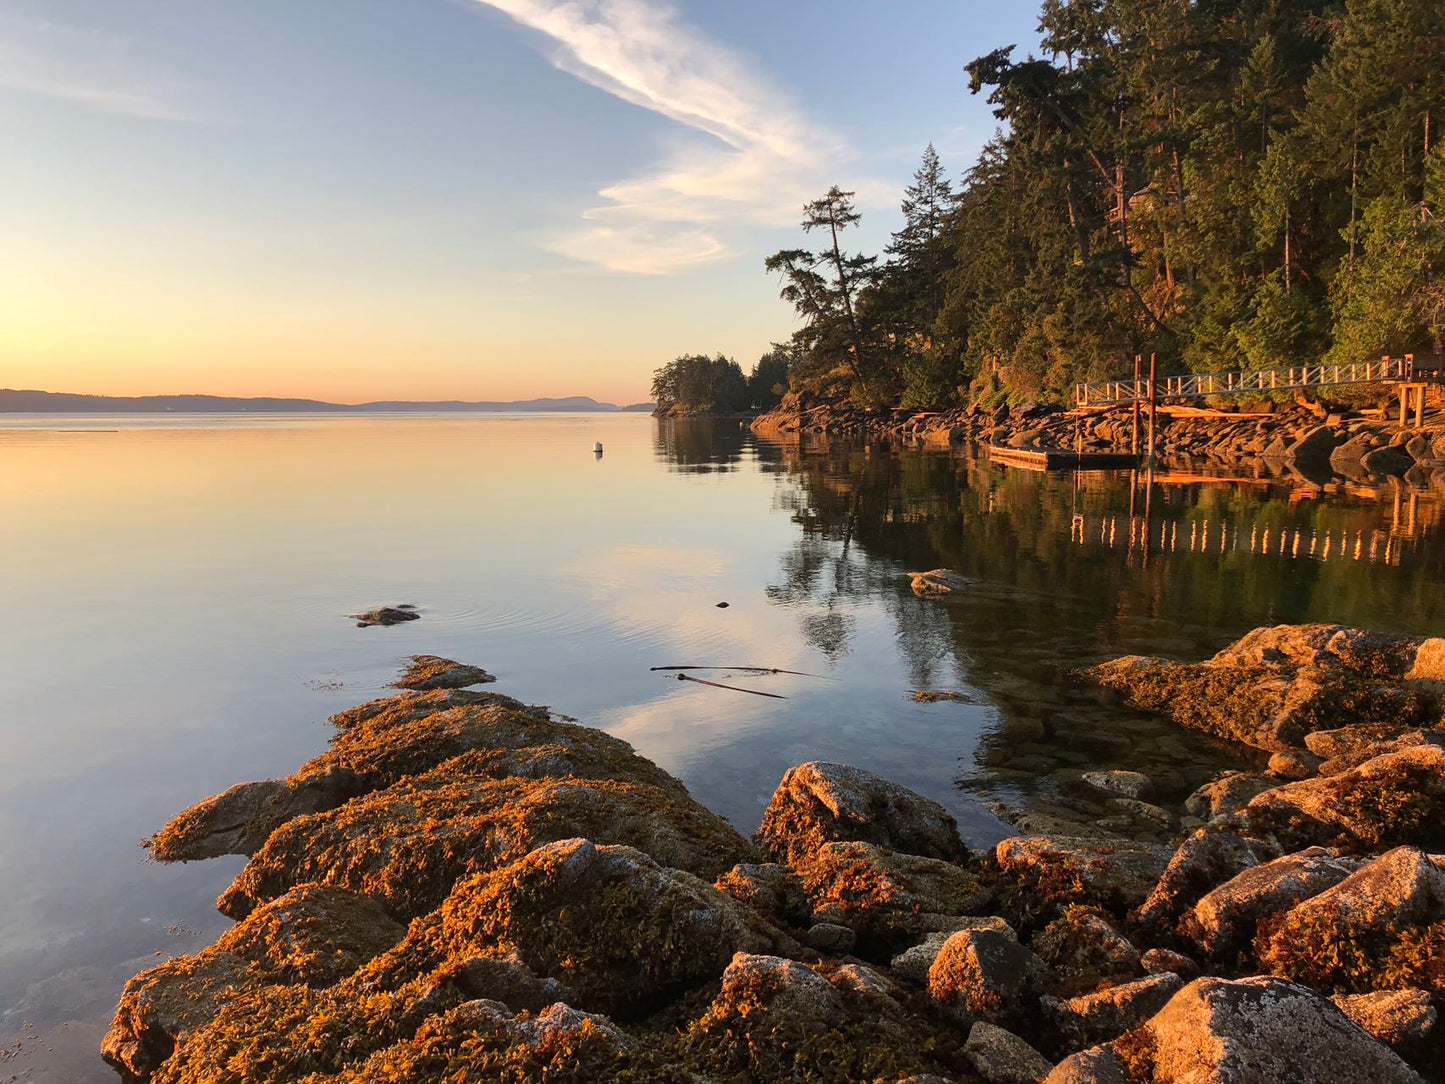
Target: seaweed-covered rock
<point>777,1019</point>
<point>386,616</point>
<point>987,974</point>
<point>1001,1057</point>
<point>500,978</point>
<point>239,820</point>
<point>769,887</point>
<point>1369,751</point>
<point>1226,794</point>
<point>1395,1017</point>
<point>1106,1014</point>
<point>1383,925</point>
<point>818,803</point>
<point>1209,857</point>
<point>1083,950</point>
<point>1054,871</point>
<point>886,895</point>
<point>409,844</point>
<point>1394,799</point>
<point>622,932</point>
<point>1225,918</point>
<point>1215,1031</point>
<point>1353,741</point>
<point>434,672</point>
<point>312,936</point>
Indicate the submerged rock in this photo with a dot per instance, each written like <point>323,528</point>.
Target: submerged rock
<point>818,803</point>
<point>938,582</point>
<point>386,615</point>
<point>428,672</point>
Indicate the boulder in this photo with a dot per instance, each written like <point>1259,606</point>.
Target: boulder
<point>1313,446</point>
<point>1395,1017</point>
<point>1122,783</point>
<point>1157,961</point>
<point>433,672</point>
<point>1226,795</point>
<point>826,937</point>
<point>912,964</point>
<point>312,936</point>
<point>769,887</point>
<point>1209,857</point>
<point>1294,764</point>
<point>623,933</point>
<point>818,803</point>
<point>887,896</point>
<point>1392,460</point>
<point>1393,799</point>
<point>1106,1014</point>
<point>1001,1057</point>
<point>1353,742</point>
<point>498,978</point>
<point>1355,757</point>
<point>239,820</point>
<point>1215,1031</point>
<point>986,974</point>
<point>409,844</point>
<point>1052,871</point>
<point>1224,919</point>
<point>1387,919</point>
<point>938,582</point>
<point>1097,1065</point>
<point>1083,950</point>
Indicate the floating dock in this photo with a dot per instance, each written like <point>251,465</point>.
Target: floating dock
<point>1061,459</point>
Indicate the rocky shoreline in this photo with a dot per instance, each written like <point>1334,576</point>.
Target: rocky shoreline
<point>466,888</point>
<point>1302,438</point>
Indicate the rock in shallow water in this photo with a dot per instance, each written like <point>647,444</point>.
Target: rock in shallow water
<point>386,615</point>
<point>434,672</point>
<point>938,582</point>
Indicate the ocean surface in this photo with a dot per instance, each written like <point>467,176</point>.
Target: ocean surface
<point>176,592</point>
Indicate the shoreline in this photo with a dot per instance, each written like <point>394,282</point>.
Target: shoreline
<point>1294,438</point>
<point>466,882</point>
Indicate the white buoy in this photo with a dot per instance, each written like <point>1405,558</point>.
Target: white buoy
<point>597,447</point>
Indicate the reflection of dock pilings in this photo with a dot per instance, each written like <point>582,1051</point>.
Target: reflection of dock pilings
<point>1137,535</point>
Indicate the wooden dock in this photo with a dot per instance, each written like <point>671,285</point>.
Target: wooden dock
<point>1044,459</point>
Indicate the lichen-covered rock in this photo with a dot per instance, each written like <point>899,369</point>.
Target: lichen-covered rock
<point>986,974</point>
<point>1393,799</point>
<point>777,1019</point>
<point>239,820</point>
<point>1053,871</point>
<point>1215,1031</point>
<point>409,844</point>
<point>434,672</point>
<point>1395,1017</point>
<point>622,932</point>
<point>913,963</point>
<point>1226,795</point>
<point>886,895</point>
<point>1383,925</point>
<point>1001,1057</point>
<point>312,936</point>
<point>1224,919</point>
<point>1209,857</point>
<point>1097,1065</point>
<point>1082,949</point>
<point>1106,1014</point>
<point>818,803</point>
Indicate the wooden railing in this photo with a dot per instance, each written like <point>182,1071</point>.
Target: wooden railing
<point>1383,371</point>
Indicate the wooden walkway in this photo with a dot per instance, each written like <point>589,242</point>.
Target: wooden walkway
<point>1384,371</point>
<point>1046,459</point>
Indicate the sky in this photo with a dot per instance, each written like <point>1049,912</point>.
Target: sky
<point>445,199</point>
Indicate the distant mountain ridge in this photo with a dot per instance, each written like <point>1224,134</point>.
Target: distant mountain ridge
<point>14,401</point>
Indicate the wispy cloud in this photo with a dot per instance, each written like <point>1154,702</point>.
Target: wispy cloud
<point>93,68</point>
<point>748,154</point>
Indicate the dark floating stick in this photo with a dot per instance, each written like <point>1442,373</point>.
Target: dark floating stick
<point>746,669</point>
<point>731,688</point>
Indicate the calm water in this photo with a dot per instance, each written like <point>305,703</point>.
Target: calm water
<point>175,596</point>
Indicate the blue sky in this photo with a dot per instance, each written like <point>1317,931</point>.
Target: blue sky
<point>444,198</point>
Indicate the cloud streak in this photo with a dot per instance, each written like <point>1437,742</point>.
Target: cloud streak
<point>747,154</point>
<point>91,68</point>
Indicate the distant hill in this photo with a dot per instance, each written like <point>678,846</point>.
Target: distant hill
<point>49,402</point>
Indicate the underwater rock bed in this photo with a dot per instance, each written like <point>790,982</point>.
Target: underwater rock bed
<point>465,888</point>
